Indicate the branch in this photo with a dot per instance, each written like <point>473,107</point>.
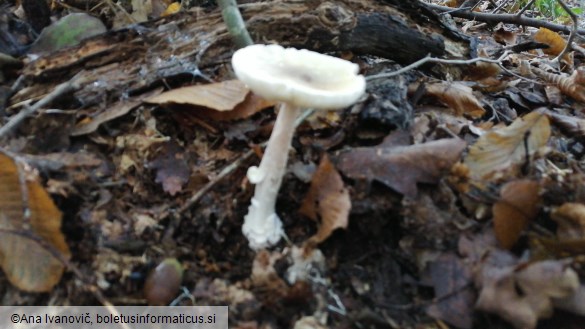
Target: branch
<point>573,30</point>
<point>71,85</point>
<point>504,18</point>
<point>429,59</point>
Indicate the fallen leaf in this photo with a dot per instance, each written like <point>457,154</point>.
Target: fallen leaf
<point>327,200</point>
<point>518,205</point>
<point>228,100</point>
<point>221,96</point>
<point>554,40</point>
<point>524,294</point>
<point>172,169</point>
<point>450,278</point>
<point>28,243</point>
<point>401,167</point>
<point>503,36</point>
<point>572,86</point>
<point>173,8</point>
<point>507,148</point>
<point>570,218</point>
<point>457,96</point>
<point>117,110</point>
<point>570,125</point>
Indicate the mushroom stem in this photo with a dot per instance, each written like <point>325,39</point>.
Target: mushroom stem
<point>262,226</point>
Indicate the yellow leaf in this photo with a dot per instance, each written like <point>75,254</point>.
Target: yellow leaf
<point>507,148</point>
<point>554,40</point>
<point>28,243</point>
<point>173,8</point>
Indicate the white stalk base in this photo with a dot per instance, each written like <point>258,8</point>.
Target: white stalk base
<point>262,226</point>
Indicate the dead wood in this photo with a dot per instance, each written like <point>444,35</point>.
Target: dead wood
<point>129,61</point>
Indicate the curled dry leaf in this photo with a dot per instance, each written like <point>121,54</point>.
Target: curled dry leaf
<point>29,244</point>
<point>401,167</point>
<point>570,218</point>
<point>457,96</point>
<point>327,200</point>
<point>555,42</point>
<point>518,205</point>
<point>228,100</point>
<point>523,295</point>
<point>506,148</point>
<point>572,86</point>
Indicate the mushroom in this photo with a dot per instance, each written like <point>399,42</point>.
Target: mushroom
<point>298,79</point>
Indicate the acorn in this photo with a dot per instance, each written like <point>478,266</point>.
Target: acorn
<point>163,283</point>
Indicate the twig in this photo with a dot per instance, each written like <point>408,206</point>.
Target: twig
<point>73,84</point>
<point>235,23</point>
<point>573,33</point>
<point>504,18</point>
<point>505,2</point>
<point>523,10</point>
<point>429,59</point>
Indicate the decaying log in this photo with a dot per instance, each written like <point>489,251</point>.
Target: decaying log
<point>126,62</point>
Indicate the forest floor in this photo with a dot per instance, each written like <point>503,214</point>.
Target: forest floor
<point>458,204</point>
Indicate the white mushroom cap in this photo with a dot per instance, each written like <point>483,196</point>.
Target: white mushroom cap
<point>300,77</point>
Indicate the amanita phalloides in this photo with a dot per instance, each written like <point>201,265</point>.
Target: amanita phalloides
<point>298,79</point>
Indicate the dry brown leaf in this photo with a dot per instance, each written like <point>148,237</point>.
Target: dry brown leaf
<point>327,200</point>
<point>573,86</point>
<point>570,218</point>
<point>454,305</point>
<point>172,169</point>
<point>228,100</point>
<point>518,205</point>
<point>117,110</point>
<point>523,295</point>
<point>221,96</point>
<point>554,40</point>
<point>401,167</point>
<point>507,148</point>
<point>484,71</point>
<point>503,36</point>
<point>27,243</point>
<point>457,96</point>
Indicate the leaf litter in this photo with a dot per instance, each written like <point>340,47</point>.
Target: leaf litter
<point>470,213</point>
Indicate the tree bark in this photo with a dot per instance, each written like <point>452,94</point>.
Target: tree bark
<point>132,60</point>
